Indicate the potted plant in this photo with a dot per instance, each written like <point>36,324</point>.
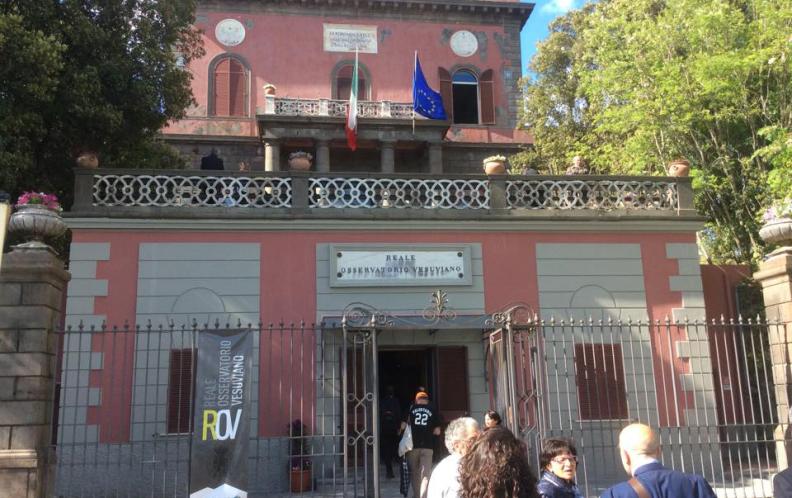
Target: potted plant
<point>777,228</point>
<point>37,215</point>
<point>495,165</point>
<point>300,479</point>
<point>87,159</point>
<point>300,160</point>
<point>679,168</point>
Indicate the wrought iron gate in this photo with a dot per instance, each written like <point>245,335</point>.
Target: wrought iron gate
<point>361,401</point>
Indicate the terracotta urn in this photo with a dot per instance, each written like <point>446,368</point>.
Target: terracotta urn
<point>778,231</point>
<point>37,222</point>
<point>679,168</point>
<point>300,161</point>
<point>495,167</point>
<point>88,160</point>
<point>269,89</point>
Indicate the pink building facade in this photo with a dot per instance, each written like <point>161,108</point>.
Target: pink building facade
<point>406,224</point>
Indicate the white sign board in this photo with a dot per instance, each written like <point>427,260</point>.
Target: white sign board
<point>347,38</point>
<point>384,266</point>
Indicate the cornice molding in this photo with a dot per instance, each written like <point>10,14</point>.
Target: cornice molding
<point>474,8</point>
<point>292,225</point>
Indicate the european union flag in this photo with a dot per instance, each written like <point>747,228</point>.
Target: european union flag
<point>426,101</point>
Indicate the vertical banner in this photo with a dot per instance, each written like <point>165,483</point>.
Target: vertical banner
<point>221,422</point>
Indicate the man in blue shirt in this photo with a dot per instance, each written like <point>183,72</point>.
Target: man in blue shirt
<point>639,448</point>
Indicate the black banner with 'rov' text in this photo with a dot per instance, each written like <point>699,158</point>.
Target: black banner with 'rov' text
<point>219,455</point>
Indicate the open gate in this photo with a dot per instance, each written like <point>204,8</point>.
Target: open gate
<point>361,402</point>
<point>515,374</point>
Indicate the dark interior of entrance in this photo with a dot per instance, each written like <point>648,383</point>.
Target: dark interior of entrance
<point>405,370</point>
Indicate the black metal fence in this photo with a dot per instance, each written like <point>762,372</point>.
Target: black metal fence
<point>125,403</point>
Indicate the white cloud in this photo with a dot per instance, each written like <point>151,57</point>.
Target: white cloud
<point>559,6</point>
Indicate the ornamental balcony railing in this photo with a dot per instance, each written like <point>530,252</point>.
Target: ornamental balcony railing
<point>336,108</point>
<point>177,192</point>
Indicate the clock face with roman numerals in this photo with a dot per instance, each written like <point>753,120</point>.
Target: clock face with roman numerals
<point>464,43</point>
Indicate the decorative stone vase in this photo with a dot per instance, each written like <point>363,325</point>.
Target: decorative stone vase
<point>269,89</point>
<point>300,161</point>
<point>88,160</point>
<point>679,168</point>
<point>777,232</point>
<point>495,167</point>
<point>37,222</point>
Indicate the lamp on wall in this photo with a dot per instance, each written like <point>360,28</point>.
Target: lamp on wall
<point>5,214</point>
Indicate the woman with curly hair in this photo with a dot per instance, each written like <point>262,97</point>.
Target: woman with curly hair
<point>497,467</point>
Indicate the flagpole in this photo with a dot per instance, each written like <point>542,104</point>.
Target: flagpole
<point>415,67</point>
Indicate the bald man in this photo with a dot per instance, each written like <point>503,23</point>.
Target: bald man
<point>639,448</point>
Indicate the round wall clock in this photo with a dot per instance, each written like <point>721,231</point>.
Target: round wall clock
<point>464,43</point>
<point>230,32</point>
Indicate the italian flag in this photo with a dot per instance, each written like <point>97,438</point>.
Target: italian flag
<point>351,124</point>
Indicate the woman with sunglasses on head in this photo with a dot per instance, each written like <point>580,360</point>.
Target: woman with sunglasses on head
<point>558,461</point>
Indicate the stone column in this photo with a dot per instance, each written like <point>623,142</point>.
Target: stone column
<point>387,156</point>
<point>323,156</point>
<point>775,276</point>
<point>32,284</point>
<point>271,155</point>
<point>435,158</point>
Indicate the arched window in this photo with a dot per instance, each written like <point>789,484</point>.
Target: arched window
<point>229,87</point>
<point>465,93</point>
<point>468,99</point>
<point>342,81</point>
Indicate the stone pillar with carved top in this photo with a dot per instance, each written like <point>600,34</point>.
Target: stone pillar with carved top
<point>271,155</point>
<point>387,156</point>
<point>32,284</point>
<point>323,156</point>
<point>435,158</point>
<point>775,276</point>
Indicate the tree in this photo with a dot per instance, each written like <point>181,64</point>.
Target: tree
<point>90,75</point>
<point>556,107</point>
<point>708,80</point>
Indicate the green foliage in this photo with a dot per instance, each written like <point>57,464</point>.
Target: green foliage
<point>708,80</point>
<point>89,75</point>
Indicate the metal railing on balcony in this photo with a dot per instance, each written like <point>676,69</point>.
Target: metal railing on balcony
<point>336,108</point>
<point>97,190</point>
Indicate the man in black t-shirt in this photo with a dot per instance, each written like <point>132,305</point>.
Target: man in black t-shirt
<point>425,425</point>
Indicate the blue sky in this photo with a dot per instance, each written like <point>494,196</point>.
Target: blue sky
<point>536,27</point>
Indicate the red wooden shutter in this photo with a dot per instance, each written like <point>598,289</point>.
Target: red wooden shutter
<point>599,372</point>
<point>453,398</point>
<point>446,92</point>
<point>180,391</point>
<point>487,96</point>
<point>237,89</point>
<point>222,87</point>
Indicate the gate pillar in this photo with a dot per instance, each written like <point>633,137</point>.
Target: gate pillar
<point>775,275</point>
<point>32,284</point>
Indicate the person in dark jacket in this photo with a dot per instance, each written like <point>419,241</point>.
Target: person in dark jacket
<point>390,419</point>
<point>212,161</point>
<point>558,461</point>
<point>639,449</point>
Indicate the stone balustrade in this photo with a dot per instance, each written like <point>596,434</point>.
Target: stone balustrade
<point>173,193</point>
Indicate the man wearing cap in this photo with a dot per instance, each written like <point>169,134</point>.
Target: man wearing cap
<point>425,425</point>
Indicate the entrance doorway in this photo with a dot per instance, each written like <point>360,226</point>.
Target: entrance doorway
<point>405,370</point>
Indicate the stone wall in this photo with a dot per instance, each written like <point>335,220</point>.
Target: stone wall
<point>32,283</point>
